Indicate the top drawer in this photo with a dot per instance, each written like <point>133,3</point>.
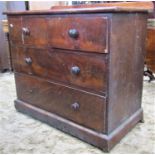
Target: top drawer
<point>28,30</point>
<point>15,29</point>
<point>83,33</point>
<point>37,31</point>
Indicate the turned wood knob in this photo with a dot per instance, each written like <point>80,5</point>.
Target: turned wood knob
<point>75,106</point>
<point>28,61</point>
<point>75,70</point>
<point>11,25</point>
<point>25,31</point>
<point>73,33</point>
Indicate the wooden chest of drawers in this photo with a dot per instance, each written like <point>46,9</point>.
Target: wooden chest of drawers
<point>150,46</point>
<point>81,69</point>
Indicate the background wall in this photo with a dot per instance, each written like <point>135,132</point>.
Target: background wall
<point>45,5</point>
<point>4,55</point>
<point>15,5</point>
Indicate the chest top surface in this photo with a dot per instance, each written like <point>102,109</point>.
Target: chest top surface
<point>93,8</point>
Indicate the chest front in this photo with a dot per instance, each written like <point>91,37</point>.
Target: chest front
<point>81,73</point>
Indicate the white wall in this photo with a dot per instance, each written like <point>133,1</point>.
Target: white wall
<point>44,5</point>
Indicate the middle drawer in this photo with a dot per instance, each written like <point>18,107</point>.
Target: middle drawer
<point>88,71</point>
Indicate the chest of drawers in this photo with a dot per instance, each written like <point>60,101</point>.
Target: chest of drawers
<point>81,69</point>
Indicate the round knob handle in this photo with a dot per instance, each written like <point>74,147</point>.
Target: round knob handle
<point>25,31</point>
<point>11,25</point>
<point>75,106</point>
<point>75,70</point>
<point>28,61</point>
<point>73,33</point>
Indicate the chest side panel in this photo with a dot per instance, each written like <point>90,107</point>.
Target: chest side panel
<point>126,67</point>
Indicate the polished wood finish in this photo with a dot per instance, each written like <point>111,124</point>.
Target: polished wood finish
<point>81,72</point>
<point>126,66</point>
<point>60,100</point>
<point>15,29</point>
<point>57,65</point>
<point>89,38</point>
<point>149,69</point>
<point>150,46</point>
<point>102,141</point>
<point>37,35</point>
<point>94,8</point>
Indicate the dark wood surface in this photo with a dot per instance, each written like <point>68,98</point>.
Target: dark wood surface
<point>90,38</point>
<point>57,65</point>
<point>150,47</point>
<point>58,99</point>
<point>126,67</point>
<point>102,141</point>
<point>15,29</point>
<point>93,79</point>
<point>38,34</point>
<point>95,8</point>
<point>58,36</point>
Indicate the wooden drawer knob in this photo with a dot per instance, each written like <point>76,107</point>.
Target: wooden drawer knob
<point>73,33</point>
<point>75,106</point>
<point>75,70</point>
<point>11,25</point>
<point>25,31</point>
<point>28,61</point>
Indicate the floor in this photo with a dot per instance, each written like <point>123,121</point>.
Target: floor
<point>22,134</point>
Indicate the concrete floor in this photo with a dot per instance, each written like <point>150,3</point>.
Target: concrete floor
<point>22,134</point>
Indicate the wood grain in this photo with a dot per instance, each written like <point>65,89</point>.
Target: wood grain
<point>126,67</point>
<point>98,8</point>
<point>150,47</point>
<point>57,64</point>
<point>59,99</point>
<point>106,48</point>
<point>92,38</point>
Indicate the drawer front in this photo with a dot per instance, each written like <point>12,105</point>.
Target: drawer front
<point>34,31</point>
<point>15,29</point>
<point>80,107</point>
<point>79,33</point>
<point>88,71</point>
<point>28,31</point>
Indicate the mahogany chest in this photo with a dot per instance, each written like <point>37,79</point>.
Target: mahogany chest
<point>150,47</point>
<point>81,69</point>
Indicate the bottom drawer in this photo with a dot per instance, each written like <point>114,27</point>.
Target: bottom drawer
<point>79,106</point>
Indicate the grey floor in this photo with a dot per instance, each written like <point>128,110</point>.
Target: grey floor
<point>22,134</point>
